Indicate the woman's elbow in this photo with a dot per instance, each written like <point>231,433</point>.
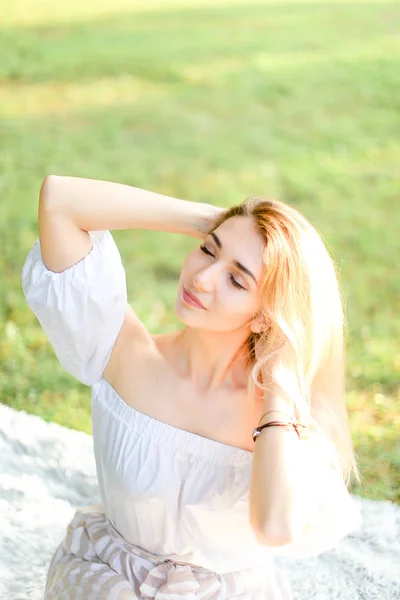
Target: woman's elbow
<point>47,189</point>
<point>272,535</point>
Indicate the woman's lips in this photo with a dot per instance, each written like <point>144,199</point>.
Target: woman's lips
<point>192,300</point>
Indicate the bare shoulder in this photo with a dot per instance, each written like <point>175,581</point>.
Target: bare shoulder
<point>142,347</point>
<point>133,338</point>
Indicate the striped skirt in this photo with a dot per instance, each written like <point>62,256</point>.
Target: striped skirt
<point>94,562</point>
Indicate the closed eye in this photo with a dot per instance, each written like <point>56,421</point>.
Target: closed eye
<point>206,250</point>
<point>235,283</point>
<point>231,277</point>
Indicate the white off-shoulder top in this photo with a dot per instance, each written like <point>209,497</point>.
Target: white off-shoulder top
<point>170,491</point>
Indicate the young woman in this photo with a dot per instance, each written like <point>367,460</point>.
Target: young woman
<point>196,501</point>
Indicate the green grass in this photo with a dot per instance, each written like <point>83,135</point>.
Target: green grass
<point>211,101</point>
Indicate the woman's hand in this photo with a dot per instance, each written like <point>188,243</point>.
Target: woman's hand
<point>208,219</point>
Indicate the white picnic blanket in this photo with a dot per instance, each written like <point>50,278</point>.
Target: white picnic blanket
<point>48,470</point>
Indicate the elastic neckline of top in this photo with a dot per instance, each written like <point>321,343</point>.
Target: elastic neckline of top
<point>181,439</point>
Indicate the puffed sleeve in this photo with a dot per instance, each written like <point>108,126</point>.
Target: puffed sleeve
<point>81,309</point>
<point>333,512</point>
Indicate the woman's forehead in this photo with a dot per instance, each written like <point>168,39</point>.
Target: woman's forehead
<point>241,238</point>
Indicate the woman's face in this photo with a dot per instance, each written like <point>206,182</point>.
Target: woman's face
<point>224,272</point>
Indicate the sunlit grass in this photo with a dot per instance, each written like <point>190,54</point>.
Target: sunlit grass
<point>32,12</point>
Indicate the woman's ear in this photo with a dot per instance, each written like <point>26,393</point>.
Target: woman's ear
<point>256,327</point>
<point>259,324</point>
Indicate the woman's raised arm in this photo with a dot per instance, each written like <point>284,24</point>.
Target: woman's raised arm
<point>69,207</point>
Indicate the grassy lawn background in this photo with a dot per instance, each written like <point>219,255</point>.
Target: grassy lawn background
<point>210,101</point>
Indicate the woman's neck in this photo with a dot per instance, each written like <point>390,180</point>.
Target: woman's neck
<point>212,360</point>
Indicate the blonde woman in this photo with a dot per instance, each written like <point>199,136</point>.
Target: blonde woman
<point>197,502</point>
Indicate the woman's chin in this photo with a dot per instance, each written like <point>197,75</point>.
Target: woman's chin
<point>185,315</point>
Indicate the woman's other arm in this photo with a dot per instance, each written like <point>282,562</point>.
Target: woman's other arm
<point>69,207</point>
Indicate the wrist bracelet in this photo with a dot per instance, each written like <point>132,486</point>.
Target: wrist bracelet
<point>256,432</point>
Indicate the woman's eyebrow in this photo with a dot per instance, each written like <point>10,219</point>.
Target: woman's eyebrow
<point>235,262</point>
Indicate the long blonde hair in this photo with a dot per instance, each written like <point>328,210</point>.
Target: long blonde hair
<point>303,305</point>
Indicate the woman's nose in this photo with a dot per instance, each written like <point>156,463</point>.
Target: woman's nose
<point>205,279</point>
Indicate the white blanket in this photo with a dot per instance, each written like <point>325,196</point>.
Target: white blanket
<point>48,470</point>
